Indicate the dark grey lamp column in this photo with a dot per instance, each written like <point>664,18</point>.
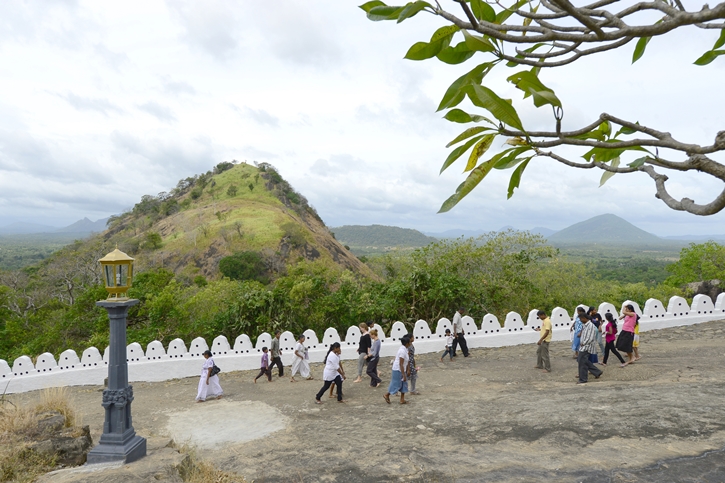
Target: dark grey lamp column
<point>119,441</point>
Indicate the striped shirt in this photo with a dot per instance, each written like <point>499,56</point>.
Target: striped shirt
<point>587,338</point>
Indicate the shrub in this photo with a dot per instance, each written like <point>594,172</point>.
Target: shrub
<point>244,266</point>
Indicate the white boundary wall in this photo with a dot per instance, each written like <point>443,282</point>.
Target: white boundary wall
<point>178,360</point>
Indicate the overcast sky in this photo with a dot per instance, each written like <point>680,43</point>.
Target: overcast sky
<point>103,102</point>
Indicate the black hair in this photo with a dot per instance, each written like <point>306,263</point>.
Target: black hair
<point>591,309</point>
<point>581,310</point>
<point>405,340</point>
<point>333,346</point>
<point>610,318</point>
<point>207,353</point>
<point>264,349</point>
<point>448,331</point>
<point>540,312</point>
<point>583,317</point>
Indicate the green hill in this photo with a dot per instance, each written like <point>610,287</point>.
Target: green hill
<point>232,209</point>
<point>380,236</point>
<point>605,229</point>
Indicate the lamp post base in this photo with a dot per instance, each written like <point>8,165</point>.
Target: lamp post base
<point>132,450</point>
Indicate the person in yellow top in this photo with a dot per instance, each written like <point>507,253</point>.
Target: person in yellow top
<point>542,353</point>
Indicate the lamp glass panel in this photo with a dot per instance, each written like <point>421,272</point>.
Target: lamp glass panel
<point>110,276</point>
<point>122,276</point>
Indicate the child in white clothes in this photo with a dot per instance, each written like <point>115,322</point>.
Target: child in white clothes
<point>449,345</point>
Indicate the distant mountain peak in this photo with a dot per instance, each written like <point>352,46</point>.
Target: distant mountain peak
<point>607,229</point>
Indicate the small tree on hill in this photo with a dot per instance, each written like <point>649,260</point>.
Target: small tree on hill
<point>244,266</point>
<point>232,191</point>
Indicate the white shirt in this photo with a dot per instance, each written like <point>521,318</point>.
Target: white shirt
<point>402,352</point>
<point>331,367</point>
<point>457,323</point>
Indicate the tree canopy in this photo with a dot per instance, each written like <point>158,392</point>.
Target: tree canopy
<point>533,35</point>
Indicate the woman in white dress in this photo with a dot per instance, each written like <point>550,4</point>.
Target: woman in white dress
<point>208,384</point>
<point>301,363</point>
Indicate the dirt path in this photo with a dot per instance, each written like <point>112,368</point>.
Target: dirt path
<point>488,417</point>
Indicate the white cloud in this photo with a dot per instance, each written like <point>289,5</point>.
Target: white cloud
<point>169,89</point>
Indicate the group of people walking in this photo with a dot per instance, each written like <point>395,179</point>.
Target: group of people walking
<point>589,332</point>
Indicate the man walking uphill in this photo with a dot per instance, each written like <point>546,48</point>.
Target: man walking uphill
<point>459,333</point>
<point>276,355</point>
<point>542,353</point>
<point>586,347</point>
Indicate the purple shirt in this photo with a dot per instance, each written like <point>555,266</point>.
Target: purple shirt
<point>265,360</point>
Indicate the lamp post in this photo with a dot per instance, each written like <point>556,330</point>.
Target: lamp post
<point>119,441</point>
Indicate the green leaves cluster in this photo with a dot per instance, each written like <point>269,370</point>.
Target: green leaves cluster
<point>713,53</point>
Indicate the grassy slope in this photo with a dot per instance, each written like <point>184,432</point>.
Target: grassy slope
<point>196,238</point>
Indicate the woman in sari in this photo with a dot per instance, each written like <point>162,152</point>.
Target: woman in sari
<point>208,383</point>
<point>301,363</point>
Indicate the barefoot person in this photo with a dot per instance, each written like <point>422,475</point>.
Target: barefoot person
<point>399,379</point>
<point>449,346</point>
<point>208,383</point>
<point>363,350</point>
<point>542,352</point>
<point>412,368</point>
<point>587,340</point>
<point>264,369</point>
<point>610,337</point>
<point>373,359</point>
<point>459,333</point>
<point>333,373</point>
<point>301,363</point>
<point>276,354</point>
<point>626,336</point>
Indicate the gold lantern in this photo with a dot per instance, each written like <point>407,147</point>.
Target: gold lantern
<point>117,274</point>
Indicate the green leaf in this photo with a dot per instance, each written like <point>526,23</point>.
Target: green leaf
<point>509,158</point>
<point>370,5</point>
<point>502,110</point>
<point>459,116</point>
<point>455,55</point>
<point>503,15</point>
<point>453,95</point>
<point>412,9</point>
<point>474,177</point>
<point>625,130</point>
<point>529,83</point>
<point>602,155</point>
<point>440,40</point>
<point>639,48</point>
<point>479,150</point>
<point>383,12</point>
<point>471,131</point>
<point>483,11</point>
<point>516,178</point>
<point>458,152</point>
<point>481,44</point>
<point>638,162</point>
<point>608,174</point>
<point>720,41</point>
<point>709,56</point>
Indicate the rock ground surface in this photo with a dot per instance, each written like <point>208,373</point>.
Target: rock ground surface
<point>489,417</point>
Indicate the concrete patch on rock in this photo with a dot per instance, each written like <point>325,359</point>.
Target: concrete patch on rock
<point>221,422</point>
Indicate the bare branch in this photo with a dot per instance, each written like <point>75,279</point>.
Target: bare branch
<point>685,204</point>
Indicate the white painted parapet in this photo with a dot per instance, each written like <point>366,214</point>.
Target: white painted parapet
<point>68,359</point>
<point>176,361</point>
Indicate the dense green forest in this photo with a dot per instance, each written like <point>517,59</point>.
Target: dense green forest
<point>380,236</point>
<point>18,251</point>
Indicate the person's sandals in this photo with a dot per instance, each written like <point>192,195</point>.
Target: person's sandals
<point>403,402</point>
<point>317,401</point>
<point>387,398</point>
